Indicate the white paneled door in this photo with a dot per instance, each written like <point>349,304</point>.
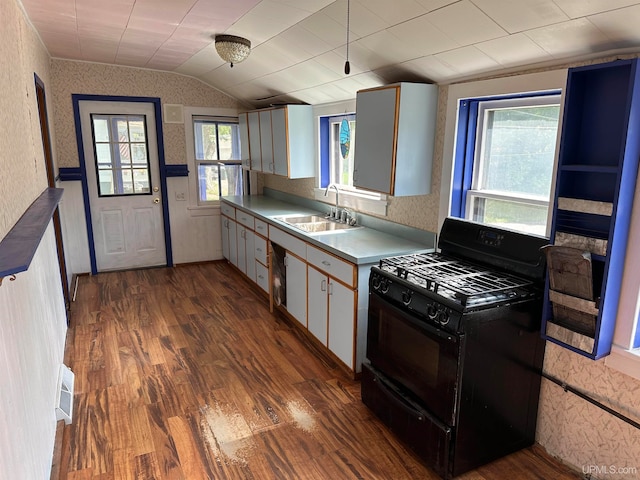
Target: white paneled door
<point>123,176</point>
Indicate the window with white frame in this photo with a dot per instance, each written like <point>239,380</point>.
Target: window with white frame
<point>505,151</point>
<point>338,134</point>
<point>217,158</point>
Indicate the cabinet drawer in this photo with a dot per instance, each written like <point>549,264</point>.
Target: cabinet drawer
<point>245,219</point>
<point>227,210</point>
<point>262,276</point>
<point>289,242</point>
<point>337,268</point>
<point>260,247</point>
<point>262,228</point>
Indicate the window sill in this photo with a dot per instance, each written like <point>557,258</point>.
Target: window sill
<point>625,361</point>
<point>203,210</point>
<point>360,202</point>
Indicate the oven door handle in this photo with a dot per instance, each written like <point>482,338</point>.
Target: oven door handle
<point>407,405</point>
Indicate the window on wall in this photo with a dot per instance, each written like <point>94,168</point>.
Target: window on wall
<point>338,134</point>
<point>122,160</point>
<point>505,151</point>
<point>217,158</point>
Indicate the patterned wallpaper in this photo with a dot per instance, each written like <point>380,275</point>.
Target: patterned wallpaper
<point>22,166</point>
<point>71,77</point>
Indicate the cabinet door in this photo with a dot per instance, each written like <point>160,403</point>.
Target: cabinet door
<point>224,223</point>
<point>249,245</point>
<point>242,250</point>
<point>376,139</point>
<point>266,141</point>
<point>296,288</point>
<point>233,242</point>
<point>341,322</point>
<point>318,307</point>
<point>243,126</point>
<point>280,141</point>
<point>253,120</point>
<point>262,277</point>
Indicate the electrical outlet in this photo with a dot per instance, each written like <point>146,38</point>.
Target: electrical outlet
<point>180,196</point>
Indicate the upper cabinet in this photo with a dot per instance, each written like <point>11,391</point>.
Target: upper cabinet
<point>595,185</point>
<point>395,138</point>
<point>244,140</point>
<point>280,140</point>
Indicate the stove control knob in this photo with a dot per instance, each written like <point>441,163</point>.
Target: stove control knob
<point>375,282</point>
<point>384,286</point>
<point>443,317</point>
<point>432,312</point>
<point>406,297</point>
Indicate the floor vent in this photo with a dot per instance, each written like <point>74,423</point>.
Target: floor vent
<point>64,402</point>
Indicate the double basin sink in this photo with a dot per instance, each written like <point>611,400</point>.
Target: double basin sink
<point>315,223</point>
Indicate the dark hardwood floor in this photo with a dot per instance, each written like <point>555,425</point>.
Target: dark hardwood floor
<point>182,373</point>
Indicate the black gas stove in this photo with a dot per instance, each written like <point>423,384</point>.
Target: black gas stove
<point>454,351</point>
<point>440,288</point>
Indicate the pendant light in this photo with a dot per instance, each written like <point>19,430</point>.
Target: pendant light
<point>347,67</point>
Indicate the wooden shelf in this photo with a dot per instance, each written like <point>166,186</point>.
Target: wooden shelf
<point>584,206</point>
<point>19,246</point>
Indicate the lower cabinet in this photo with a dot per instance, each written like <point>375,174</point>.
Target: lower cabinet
<point>246,251</point>
<point>229,240</point>
<point>296,288</point>
<point>331,308</point>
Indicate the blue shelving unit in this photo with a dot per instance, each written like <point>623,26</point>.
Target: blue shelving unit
<point>595,185</point>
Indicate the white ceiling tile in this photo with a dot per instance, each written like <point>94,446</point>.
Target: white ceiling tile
<point>366,58</point>
<point>288,14</point>
<point>325,28</point>
<point>431,68</point>
<point>467,60</point>
<point>582,8</point>
<point>257,29</point>
<point>423,37</point>
<point>575,37</point>
<point>362,21</point>
<point>518,15</point>
<point>396,11</point>
<point>431,5</point>
<point>300,43</point>
<point>513,50</point>
<point>392,49</point>
<point>465,23</point>
<point>334,61</point>
<point>620,26</point>
<point>202,62</point>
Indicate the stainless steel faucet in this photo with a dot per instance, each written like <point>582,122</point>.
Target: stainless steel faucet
<point>326,192</point>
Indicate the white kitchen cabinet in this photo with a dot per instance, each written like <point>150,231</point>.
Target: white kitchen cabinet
<point>296,270</point>
<point>246,252</point>
<point>395,138</point>
<point>317,303</point>
<point>224,229</point>
<point>245,152</point>
<point>292,128</point>
<point>233,241</point>
<point>266,141</point>
<point>253,120</point>
<point>341,321</point>
<point>281,141</point>
<point>262,276</point>
<point>260,249</point>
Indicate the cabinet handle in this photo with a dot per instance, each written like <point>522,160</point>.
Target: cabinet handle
<point>326,264</point>
<point>286,261</point>
<point>258,249</point>
<point>323,286</point>
<point>243,233</point>
<point>330,288</point>
<point>260,277</point>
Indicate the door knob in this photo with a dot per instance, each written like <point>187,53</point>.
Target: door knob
<point>156,200</point>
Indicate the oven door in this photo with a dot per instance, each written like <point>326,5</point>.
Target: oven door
<point>422,360</point>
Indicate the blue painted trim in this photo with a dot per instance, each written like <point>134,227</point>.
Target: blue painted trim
<point>76,98</point>
<point>19,246</point>
<point>324,152</point>
<point>70,174</point>
<point>181,170</point>
<point>465,144</point>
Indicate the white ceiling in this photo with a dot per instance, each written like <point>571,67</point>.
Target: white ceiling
<point>299,46</point>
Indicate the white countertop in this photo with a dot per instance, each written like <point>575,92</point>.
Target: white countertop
<point>361,245</point>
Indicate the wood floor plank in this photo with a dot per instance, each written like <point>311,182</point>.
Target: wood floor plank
<point>184,374</point>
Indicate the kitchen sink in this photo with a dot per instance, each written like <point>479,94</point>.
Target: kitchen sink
<point>315,223</point>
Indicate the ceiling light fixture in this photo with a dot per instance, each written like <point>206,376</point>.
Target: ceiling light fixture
<point>347,67</point>
<point>232,49</point>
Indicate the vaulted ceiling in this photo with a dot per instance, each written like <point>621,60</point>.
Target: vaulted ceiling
<point>299,46</point>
